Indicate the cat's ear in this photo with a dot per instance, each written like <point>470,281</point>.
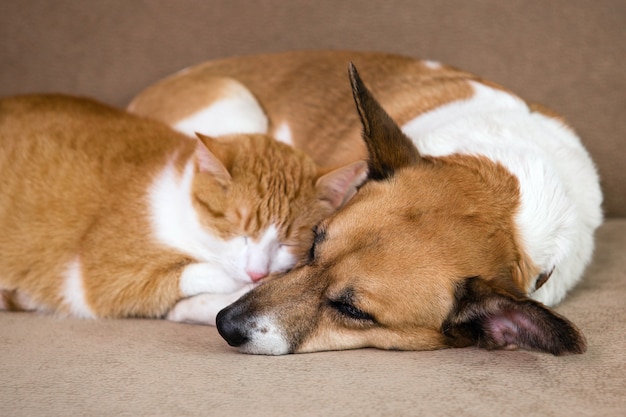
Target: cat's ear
<point>340,185</point>
<point>208,160</point>
<point>494,315</point>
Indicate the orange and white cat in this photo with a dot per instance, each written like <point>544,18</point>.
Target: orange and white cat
<point>107,214</point>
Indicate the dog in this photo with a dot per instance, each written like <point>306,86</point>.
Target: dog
<point>478,214</point>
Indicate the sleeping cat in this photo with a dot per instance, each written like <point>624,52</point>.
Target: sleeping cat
<point>107,214</point>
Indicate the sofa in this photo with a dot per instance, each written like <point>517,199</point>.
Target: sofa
<point>567,54</point>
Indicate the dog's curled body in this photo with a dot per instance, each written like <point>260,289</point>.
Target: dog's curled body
<point>559,194</point>
<point>479,205</point>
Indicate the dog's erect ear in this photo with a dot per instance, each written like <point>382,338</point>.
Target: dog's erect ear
<point>492,315</point>
<point>388,148</point>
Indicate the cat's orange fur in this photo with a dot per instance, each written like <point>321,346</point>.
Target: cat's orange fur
<point>77,237</point>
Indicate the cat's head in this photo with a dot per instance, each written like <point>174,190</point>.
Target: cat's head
<point>263,198</point>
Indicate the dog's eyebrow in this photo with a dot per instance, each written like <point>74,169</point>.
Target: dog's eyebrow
<point>346,296</point>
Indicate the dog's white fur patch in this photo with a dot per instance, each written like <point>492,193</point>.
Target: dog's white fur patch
<point>432,64</point>
<point>238,113</point>
<point>265,337</point>
<point>556,228</point>
<point>73,291</point>
<point>283,134</point>
<point>485,100</point>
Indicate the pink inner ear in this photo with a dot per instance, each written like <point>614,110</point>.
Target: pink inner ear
<point>340,185</point>
<point>506,327</point>
<point>208,163</point>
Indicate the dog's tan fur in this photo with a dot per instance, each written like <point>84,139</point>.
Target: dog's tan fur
<point>320,113</point>
<point>407,281</point>
<point>426,256</point>
<point>455,239</point>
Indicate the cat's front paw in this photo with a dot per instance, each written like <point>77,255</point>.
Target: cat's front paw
<point>200,278</point>
<point>203,308</point>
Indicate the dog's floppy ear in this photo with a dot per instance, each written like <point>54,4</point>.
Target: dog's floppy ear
<point>388,148</point>
<point>493,315</point>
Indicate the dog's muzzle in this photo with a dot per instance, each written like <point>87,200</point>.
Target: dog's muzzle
<point>251,333</point>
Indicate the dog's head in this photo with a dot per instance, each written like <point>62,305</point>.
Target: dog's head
<point>425,256</point>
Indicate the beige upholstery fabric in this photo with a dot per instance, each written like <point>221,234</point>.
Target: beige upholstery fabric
<point>567,54</point>
<point>147,367</point>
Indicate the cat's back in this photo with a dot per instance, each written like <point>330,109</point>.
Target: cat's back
<point>67,161</point>
<point>37,126</point>
<point>61,146</point>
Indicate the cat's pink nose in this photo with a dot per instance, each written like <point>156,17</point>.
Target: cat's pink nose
<point>256,276</point>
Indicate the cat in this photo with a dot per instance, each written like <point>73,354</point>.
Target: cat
<point>104,214</point>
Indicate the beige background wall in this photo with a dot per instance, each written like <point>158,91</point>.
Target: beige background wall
<point>567,54</point>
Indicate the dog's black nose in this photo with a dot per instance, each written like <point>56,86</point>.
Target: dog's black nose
<point>228,328</point>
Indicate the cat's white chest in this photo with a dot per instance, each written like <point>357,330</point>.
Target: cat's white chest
<point>175,222</point>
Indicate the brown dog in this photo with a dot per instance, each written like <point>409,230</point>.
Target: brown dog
<point>471,205</point>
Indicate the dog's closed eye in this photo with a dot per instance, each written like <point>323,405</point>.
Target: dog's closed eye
<point>350,311</point>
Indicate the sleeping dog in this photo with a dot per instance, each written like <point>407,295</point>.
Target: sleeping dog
<point>478,213</point>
